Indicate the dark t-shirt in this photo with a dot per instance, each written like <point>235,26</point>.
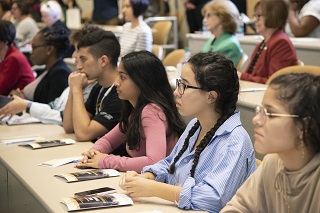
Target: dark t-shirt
<point>109,115</point>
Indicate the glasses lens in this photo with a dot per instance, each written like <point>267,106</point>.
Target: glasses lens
<point>180,87</point>
<point>260,111</point>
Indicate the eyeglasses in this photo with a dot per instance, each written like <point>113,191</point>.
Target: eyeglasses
<point>257,16</point>
<point>263,113</point>
<point>208,15</point>
<point>34,46</point>
<point>182,86</point>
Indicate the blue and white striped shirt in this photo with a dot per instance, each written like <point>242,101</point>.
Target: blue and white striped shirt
<point>223,166</point>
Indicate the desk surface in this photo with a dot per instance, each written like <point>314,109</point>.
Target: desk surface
<point>48,190</point>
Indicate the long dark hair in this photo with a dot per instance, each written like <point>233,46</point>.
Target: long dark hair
<point>149,74</point>
<point>300,94</point>
<point>212,72</point>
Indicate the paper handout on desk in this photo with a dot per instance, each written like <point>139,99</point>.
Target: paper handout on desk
<point>60,161</point>
<point>98,201</point>
<point>253,89</point>
<point>48,143</point>
<point>24,139</point>
<point>88,175</point>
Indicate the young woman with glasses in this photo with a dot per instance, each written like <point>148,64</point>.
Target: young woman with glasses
<point>214,155</point>
<point>287,130</point>
<point>276,51</point>
<point>48,48</point>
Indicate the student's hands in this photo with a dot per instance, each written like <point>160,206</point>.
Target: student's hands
<point>91,158</point>
<point>293,5</point>
<point>17,105</point>
<point>77,81</point>
<point>138,186</point>
<point>126,175</point>
<point>18,93</point>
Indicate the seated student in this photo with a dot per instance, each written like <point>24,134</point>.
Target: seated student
<point>98,54</point>
<point>276,51</point>
<point>15,71</point>
<point>150,124</point>
<point>53,111</point>
<point>287,129</point>
<point>136,34</point>
<point>221,18</point>
<point>5,10</point>
<point>304,18</point>
<point>52,16</point>
<point>214,155</point>
<point>48,47</point>
<point>26,26</point>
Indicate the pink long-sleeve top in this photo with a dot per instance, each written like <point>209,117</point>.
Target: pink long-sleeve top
<point>155,145</point>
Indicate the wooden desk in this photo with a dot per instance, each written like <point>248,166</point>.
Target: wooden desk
<point>308,49</point>
<point>27,187</point>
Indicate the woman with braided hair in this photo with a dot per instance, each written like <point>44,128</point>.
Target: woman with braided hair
<point>48,48</point>
<point>214,155</point>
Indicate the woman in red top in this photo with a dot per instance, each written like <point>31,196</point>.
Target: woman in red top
<point>15,70</point>
<point>276,50</point>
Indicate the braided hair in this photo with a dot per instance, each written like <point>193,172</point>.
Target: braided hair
<point>212,72</point>
<point>58,37</point>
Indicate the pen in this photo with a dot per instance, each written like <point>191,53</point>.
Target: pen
<point>18,141</point>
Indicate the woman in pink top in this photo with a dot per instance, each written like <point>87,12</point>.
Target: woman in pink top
<point>150,124</point>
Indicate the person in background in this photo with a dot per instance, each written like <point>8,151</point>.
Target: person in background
<point>26,27</point>
<point>193,12</point>
<point>105,12</point>
<point>214,155</point>
<point>221,18</point>
<point>34,9</point>
<point>5,10</point>
<point>276,51</point>
<point>53,111</point>
<point>48,47</point>
<point>157,8</point>
<point>98,54</point>
<point>136,35</point>
<point>287,130</point>
<point>52,16</point>
<point>15,71</point>
<point>304,18</point>
<point>150,124</point>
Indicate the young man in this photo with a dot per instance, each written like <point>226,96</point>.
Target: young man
<point>98,55</point>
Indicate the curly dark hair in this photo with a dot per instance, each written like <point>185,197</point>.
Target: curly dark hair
<point>149,74</point>
<point>213,72</point>
<point>58,37</point>
<point>300,94</point>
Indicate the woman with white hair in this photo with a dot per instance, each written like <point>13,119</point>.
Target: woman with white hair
<point>52,16</point>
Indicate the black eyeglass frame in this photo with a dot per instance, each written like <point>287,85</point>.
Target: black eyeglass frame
<point>34,46</point>
<point>178,83</point>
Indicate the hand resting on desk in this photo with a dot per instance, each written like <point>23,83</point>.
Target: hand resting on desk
<point>91,158</point>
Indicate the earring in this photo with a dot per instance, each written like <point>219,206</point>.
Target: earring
<point>48,53</point>
<point>302,149</point>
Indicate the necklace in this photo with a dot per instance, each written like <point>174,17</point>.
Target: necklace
<point>99,104</point>
<point>256,57</point>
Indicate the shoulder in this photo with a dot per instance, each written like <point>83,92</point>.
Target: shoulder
<point>151,110</point>
<point>61,65</point>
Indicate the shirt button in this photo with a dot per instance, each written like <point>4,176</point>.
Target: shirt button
<point>185,160</point>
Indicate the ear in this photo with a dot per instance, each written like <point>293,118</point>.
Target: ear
<point>212,97</point>
<point>50,50</point>
<point>104,60</point>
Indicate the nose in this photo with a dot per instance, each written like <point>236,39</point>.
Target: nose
<point>79,66</point>
<point>256,120</point>
<point>176,92</point>
<point>116,82</point>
